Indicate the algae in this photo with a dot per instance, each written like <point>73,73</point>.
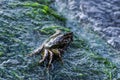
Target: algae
<point>22,29</point>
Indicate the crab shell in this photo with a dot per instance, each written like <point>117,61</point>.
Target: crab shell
<point>53,46</point>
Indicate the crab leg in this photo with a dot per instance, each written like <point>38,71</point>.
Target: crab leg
<point>51,57</point>
<point>44,56</point>
<point>38,50</point>
<point>59,56</point>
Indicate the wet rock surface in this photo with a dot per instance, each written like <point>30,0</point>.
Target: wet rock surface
<point>24,25</point>
<point>104,15</point>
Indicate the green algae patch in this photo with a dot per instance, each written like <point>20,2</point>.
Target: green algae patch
<point>103,60</point>
<point>18,38</point>
<point>109,67</point>
<point>80,43</point>
<point>1,54</point>
<point>45,9</point>
<point>16,75</point>
<point>51,29</point>
<point>47,2</point>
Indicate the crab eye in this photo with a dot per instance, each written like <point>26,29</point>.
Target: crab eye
<point>65,40</point>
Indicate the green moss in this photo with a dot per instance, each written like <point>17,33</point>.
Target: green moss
<point>108,68</point>
<point>15,74</point>
<point>1,54</point>
<point>32,13</point>
<point>80,74</point>
<point>103,60</point>
<point>55,14</point>
<point>109,74</point>
<point>45,9</point>
<point>79,43</point>
<point>17,39</point>
<point>51,29</point>
<point>32,4</point>
<point>97,72</point>
<point>44,1</point>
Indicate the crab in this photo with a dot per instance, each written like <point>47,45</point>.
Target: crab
<point>54,46</point>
